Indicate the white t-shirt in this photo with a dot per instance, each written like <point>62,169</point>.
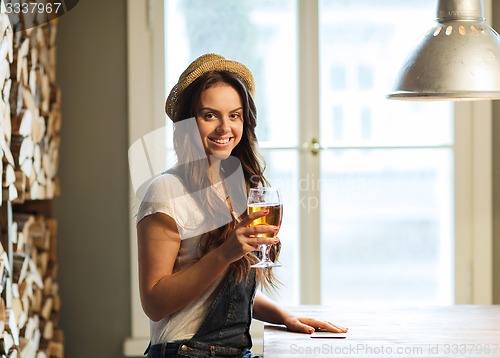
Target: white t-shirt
<point>166,194</point>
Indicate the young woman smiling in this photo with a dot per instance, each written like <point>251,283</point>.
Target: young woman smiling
<point>194,239</point>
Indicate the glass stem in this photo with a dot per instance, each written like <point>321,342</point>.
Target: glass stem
<point>265,249</point>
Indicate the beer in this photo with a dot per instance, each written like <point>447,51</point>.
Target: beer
<point>265,198</point>
<point>273,218</point>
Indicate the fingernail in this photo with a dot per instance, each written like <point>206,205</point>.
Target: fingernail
<point>311,330</point>
<point>276,228</point>
<point>266,212</point>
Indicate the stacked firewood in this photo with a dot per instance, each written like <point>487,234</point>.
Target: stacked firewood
<point>32,121</point>
<point>6,59</point>
<point>29,148</point>
<point>36,290</point>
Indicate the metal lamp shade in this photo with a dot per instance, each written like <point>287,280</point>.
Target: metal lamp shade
<point>458,59</point>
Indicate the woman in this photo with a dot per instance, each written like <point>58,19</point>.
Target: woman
<point>194,239</point>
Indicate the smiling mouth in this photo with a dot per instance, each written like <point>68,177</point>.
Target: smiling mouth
<point>221,140</point>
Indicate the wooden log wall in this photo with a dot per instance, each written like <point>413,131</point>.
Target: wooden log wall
<point>30,121</point>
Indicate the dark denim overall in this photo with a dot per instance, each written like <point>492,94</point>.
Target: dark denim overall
<point>224,332</point>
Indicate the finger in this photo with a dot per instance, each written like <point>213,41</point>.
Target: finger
<point>330,327</point>
<point>261,229</point>
<point>324,325</point>
<point>333,328</point>
<point>298,326</point>
<point>251,217</point>
<point>307,329</point>
<point>257,241</point>
<point>342,329</point>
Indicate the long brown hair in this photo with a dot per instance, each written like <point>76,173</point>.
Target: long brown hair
<point>195,173</point>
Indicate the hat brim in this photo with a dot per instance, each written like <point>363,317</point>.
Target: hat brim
<point>212,63</point>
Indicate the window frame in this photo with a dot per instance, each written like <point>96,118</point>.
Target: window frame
<point>146,98</point>
<point>472,159</point>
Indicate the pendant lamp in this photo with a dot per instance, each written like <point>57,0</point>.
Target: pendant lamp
<point>458,59</point>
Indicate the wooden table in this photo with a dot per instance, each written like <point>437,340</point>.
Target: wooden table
<point>438,331</point>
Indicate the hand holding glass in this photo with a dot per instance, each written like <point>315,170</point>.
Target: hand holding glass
<point>265,198</point>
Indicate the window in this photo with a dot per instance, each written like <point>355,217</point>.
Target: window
<point>366,124</point>
<point>384,185</point>
<point>264,40</point>
<point>338,123</point>
<point>365,77</point>
<point>260,34</point>
<point>338,78</point>
<point>386,209</point>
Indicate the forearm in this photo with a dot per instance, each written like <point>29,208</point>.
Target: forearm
<point>264,309</point>
<point>173,292</point>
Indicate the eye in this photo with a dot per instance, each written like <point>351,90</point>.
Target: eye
<point>209,116</point>
<point>235,116</point>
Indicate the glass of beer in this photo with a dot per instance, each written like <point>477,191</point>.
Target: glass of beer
<point>265,198</point>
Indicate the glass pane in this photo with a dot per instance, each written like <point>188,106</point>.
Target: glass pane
<point>386,226</point>
<point>363,45</point>
<point>386,215</point>
<point>260,34</point>
<point>282,172</point>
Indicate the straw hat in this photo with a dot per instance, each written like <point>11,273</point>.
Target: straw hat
<point>204,64</point>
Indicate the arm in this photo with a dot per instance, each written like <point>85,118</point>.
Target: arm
<point>164,292</point>
<point>266,310</point>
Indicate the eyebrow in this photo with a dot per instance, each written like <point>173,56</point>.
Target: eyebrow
<point>215,110</point>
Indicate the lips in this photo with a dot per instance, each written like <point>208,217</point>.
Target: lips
<point>220,140</point>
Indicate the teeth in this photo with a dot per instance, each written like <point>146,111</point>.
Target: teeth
<point>220,141</point>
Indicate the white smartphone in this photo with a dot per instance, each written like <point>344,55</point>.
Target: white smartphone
<point>325,334</point>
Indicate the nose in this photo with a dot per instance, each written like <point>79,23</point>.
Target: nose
<point>223,126</point>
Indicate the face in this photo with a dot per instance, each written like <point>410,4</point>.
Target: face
<point>220,120</point>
